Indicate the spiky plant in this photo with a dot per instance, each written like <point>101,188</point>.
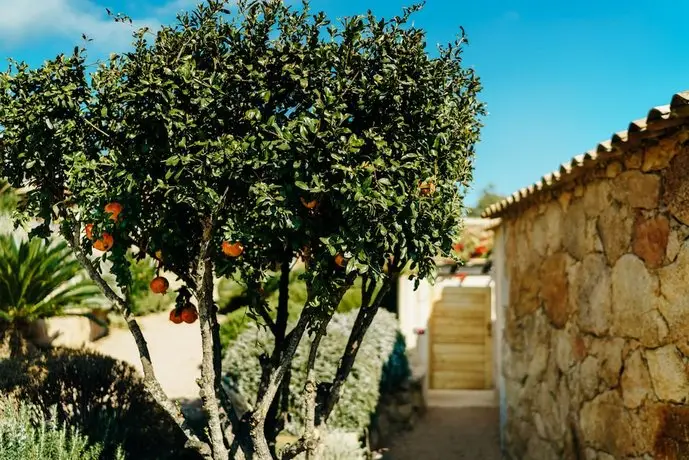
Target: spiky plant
<point>39,280</point>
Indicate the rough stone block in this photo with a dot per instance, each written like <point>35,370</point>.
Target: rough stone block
<point>674,299</point>
<point>650,239</point>
<point>608,426</point>
<point>636,382</point>
<point>590,288</point>
<point>676,186</point>
<point>636,189</point>
<point>659,156</point>
<point>668,374</point>
<point>615,229</point>
<point>554,290</point>
<point>634,302</point>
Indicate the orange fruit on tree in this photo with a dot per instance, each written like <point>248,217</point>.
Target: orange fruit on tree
<point>104,243</point>
<point>189,314</point>
<point>309,204</point>
<point>305,253</point>
<point>89,231</point>
<point>175,316</point>
<point>427,188</point>
<point>114,209</point>
<point>159,285</point>
<point>340,260</point>
<point>232,249</point>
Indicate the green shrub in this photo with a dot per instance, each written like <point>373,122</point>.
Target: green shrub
<point>339,445</point>
<point>232,326</point>
<point>26,434</point>
<point>381,352</point>
<point>103,397</point>
<point>143,300</point>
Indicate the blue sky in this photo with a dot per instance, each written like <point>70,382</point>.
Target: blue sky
<point>558,76</point>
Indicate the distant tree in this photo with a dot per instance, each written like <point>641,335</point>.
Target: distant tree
<point>488,197</point>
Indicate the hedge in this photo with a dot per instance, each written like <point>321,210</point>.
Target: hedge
<point>380,366</point>
<point>103,397</point>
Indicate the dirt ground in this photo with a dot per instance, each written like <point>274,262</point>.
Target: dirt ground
<point>175,351</point>
<point>446,433</point>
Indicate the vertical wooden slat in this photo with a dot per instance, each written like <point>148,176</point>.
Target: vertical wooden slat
<point>460,316</point>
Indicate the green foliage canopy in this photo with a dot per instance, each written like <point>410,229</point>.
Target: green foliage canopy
<point>257,113</point>
<point>341,143</point>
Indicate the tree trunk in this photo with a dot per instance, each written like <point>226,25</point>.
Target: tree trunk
<point>210,364</point>
<point>13,343</point>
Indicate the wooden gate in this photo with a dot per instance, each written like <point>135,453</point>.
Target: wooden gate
<point>461,351</point>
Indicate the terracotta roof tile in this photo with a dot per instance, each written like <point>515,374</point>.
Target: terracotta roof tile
<point>674,114</point>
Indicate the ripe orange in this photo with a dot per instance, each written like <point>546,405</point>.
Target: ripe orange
<point>159,285</point>
<point>114,209</point>
<point>175,317</point>
<point>340,260</point>
<point>427,188</point>
<point>104,243</point>
<point>189,314</point>
<point>232,249</point>
<point>89,231</point>
<point>305,253</point>
<point>309,204</point>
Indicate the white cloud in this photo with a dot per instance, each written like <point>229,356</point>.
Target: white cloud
<point>22,21</point>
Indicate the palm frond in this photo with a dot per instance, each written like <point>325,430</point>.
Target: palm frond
<point>39,279</point>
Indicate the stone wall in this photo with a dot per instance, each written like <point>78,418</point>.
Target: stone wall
<point>396,413</point>
<point>596,351</point>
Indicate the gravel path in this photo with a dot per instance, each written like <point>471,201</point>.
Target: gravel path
<point>469,433</point>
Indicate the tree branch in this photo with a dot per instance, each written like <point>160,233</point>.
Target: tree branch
<point>210,363</point>
<point>210,384</point>
<point>310,390</point>
<point>361,324</point>
<point>283,299</point>
<point>177,271</point>
<point>265,316</point>
<point>150,381</point>
<point>277,408</point>
<point>309,441</point>
<point>277,372</point>
<point>232,438</point>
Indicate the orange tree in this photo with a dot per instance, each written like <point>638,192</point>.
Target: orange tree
<point>232,142</point>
